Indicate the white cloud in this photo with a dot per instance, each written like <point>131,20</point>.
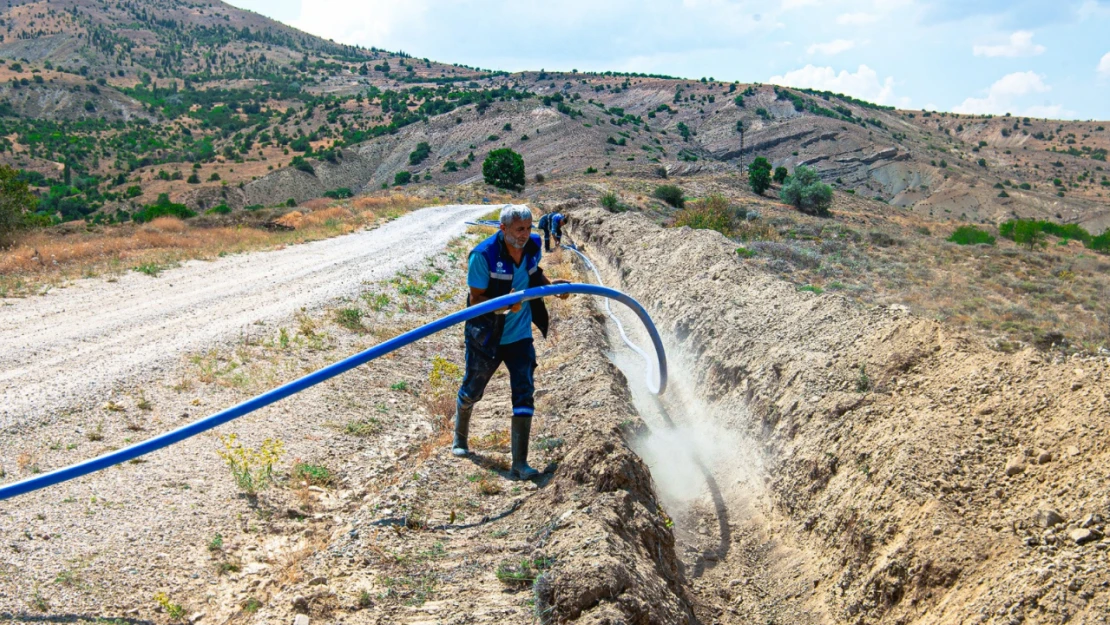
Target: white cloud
<point>856,19</point>
<point>1104,65</point>
<point>1003,95</point>
<point>1021,44</point>
<point>832,47</point>
<point>797,4</point>
<point>864,83</point>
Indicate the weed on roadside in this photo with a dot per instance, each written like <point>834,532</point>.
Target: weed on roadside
<point>252,469</point>
<point>350,318</point>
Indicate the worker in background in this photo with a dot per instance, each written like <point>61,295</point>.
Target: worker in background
<point>505,262</point>
<point>552,225</point>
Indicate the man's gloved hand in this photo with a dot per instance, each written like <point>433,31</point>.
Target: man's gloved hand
<point>561,281</point>
<point>514,308</point>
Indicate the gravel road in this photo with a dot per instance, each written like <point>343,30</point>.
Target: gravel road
<point>72,345</point>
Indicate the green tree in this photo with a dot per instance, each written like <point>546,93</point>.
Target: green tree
<point>781,174</point>
<point>1027,233</point>
<point>759,175</point>
<point>504,169</point>
<point>402,177</point>
<point>805,191</point>
<point>421,152</point>
<point>15,201</point>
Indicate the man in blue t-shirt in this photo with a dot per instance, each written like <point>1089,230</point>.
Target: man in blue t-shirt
<point>505,262</point>
<point>552,225</point>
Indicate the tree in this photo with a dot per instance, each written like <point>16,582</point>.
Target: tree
<point>759,175</point>
<point>15,201</point>
<point>805,191</point>
<point>421,152</point>
<point>402,177</point>
<point>781,174</point>
<point>504,169</point>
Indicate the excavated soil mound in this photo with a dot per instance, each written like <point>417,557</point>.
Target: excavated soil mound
<point>916,476</point>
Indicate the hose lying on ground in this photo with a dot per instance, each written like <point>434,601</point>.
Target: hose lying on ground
<point>169,438</point>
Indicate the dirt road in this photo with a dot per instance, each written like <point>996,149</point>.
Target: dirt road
<point>72,345</point>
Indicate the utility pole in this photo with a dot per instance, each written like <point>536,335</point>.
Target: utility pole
<point>740,127</point>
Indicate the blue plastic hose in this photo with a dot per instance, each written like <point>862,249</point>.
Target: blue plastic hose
<point>298,385</point>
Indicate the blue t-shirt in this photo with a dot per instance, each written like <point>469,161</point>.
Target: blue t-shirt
<point>518,325</point>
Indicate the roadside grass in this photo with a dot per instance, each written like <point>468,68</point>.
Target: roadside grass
<point>46,258</point>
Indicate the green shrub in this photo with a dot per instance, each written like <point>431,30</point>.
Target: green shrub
<point>711,213</point>
<point>221,209</point>
<point>193,178</point>
<point>759,175</point>
<point>1025,186</point>
<point>805,191</point>
<point>504,169</point>
<point>970,235</point>
<point>301,164</point>
<point>421,153</point>
<point>339,194</point>
<point>402,177</point>
<point>671,194</point>
<point>612,203</point>
<point>781,174</point>
<point>162,207</point>
<point>450,166</point>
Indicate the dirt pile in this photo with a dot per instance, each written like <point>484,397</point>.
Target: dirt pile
<point>916,476</point>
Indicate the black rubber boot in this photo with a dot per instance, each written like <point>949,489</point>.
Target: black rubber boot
<point>522,428</point>
<point>462,430</point>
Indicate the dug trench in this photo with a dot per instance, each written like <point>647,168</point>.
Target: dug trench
<point>830,462</point>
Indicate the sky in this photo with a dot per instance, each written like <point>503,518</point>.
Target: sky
<point>1037,58</point>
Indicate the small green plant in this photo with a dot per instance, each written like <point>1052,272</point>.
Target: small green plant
<point>312,474</point>
<point>150,269</point>
<point>173,610</point>
<point>283,338</point>
<point>863,381</point>
<point>365,599</point>
<point>253,469</point>
<point>548,443</point>
<point>610,201</point>
<point>521,573</point>
<point>399,386</point>
<point>363,427</point>
<point>251,605</point>
<point>216,544</point>
<point>350,318</point>
<point>744,252</point>
<point>812,288</point>
<point>377,301</point>
<point>97,433</point>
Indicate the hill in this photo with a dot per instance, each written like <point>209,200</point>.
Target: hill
<point>113,104</point>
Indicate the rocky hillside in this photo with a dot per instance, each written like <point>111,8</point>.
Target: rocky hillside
<point>113,104</point>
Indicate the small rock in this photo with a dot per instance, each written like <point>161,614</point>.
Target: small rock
<point>1047,517</point>
<point>1044,457</point>
<point>318,581</point>
<point>1090,520</point>
<point>1073,450</point>
<point>937,530</point>
<point>301,620</point>
<point>196,617</point>
<point>1083,536</point>
<point>1015,466</point>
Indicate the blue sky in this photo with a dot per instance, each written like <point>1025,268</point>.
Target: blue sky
<point>1042,58</point>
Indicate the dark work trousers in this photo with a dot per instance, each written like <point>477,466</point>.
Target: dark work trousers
<point>548,232</point>
<point>519,359</point>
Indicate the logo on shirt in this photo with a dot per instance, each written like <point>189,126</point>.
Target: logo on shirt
<point>500,265</point>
